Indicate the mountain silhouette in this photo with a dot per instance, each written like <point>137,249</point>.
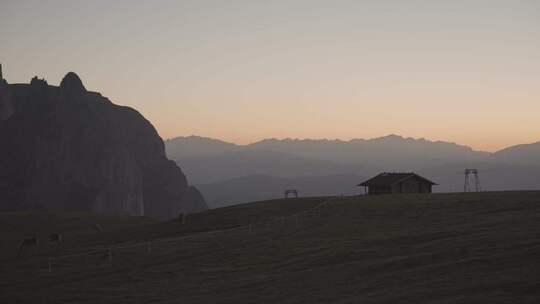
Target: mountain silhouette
<point>519,154</point>
<point>70,149</point>
<point>387,153</point>
<point>197,146</point>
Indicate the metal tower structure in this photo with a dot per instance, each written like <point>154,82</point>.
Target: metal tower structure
<point>467,187</point>
<point>292,192</point>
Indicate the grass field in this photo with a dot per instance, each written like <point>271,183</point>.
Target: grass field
<point>438,248</point>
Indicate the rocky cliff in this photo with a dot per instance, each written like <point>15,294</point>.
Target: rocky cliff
<point>67,148</point>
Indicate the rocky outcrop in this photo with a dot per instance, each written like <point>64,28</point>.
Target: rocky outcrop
<point>67,148</point>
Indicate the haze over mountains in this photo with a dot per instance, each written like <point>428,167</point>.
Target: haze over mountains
<point>392,151</point>
<point>221,169</point>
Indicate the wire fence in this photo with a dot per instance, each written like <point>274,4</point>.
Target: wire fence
<point>106,255</point>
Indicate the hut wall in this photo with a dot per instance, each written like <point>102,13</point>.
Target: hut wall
<point>379,189</point>
<point>412,185</point>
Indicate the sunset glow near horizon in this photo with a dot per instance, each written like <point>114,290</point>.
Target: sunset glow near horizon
<point>460,71</point>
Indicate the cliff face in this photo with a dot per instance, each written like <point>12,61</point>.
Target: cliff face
<point>67,148</point>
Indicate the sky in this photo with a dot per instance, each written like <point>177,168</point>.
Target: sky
<point>459,71</point>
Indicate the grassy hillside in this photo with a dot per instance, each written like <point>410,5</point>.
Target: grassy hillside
<point>73,226</point>
<point>439,248</point>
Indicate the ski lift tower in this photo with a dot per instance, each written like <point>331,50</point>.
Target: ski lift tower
<point>467,187</point>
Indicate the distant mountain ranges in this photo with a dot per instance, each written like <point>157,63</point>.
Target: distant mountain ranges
<point>227,172</point>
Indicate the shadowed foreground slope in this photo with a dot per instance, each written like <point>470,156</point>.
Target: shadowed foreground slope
<point>440,248</point>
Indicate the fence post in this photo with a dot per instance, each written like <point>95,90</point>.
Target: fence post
<point>110,255</point>
<point>50,264</point>
<point>183,219</point>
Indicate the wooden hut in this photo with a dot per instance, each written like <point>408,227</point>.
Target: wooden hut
<point>389,183</point>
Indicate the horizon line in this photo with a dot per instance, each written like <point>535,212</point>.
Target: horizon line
<point>347,141</point>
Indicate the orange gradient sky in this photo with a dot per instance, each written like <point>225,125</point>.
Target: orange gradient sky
<point>460,71</point>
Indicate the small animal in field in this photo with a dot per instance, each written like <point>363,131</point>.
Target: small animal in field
<point>30,241</point>
<point>98,228</point>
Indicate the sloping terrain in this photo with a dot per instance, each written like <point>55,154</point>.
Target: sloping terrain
<point>439,248</point>
<point>72,225</point>
<point>263,187</point>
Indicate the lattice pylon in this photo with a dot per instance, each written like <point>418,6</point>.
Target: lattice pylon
<point>467,186</point>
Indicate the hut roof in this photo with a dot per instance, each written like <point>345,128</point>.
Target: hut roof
<point>387,179</point>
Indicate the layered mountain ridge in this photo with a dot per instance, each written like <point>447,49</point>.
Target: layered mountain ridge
<point>228,173</point>
<point>386,151</point>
